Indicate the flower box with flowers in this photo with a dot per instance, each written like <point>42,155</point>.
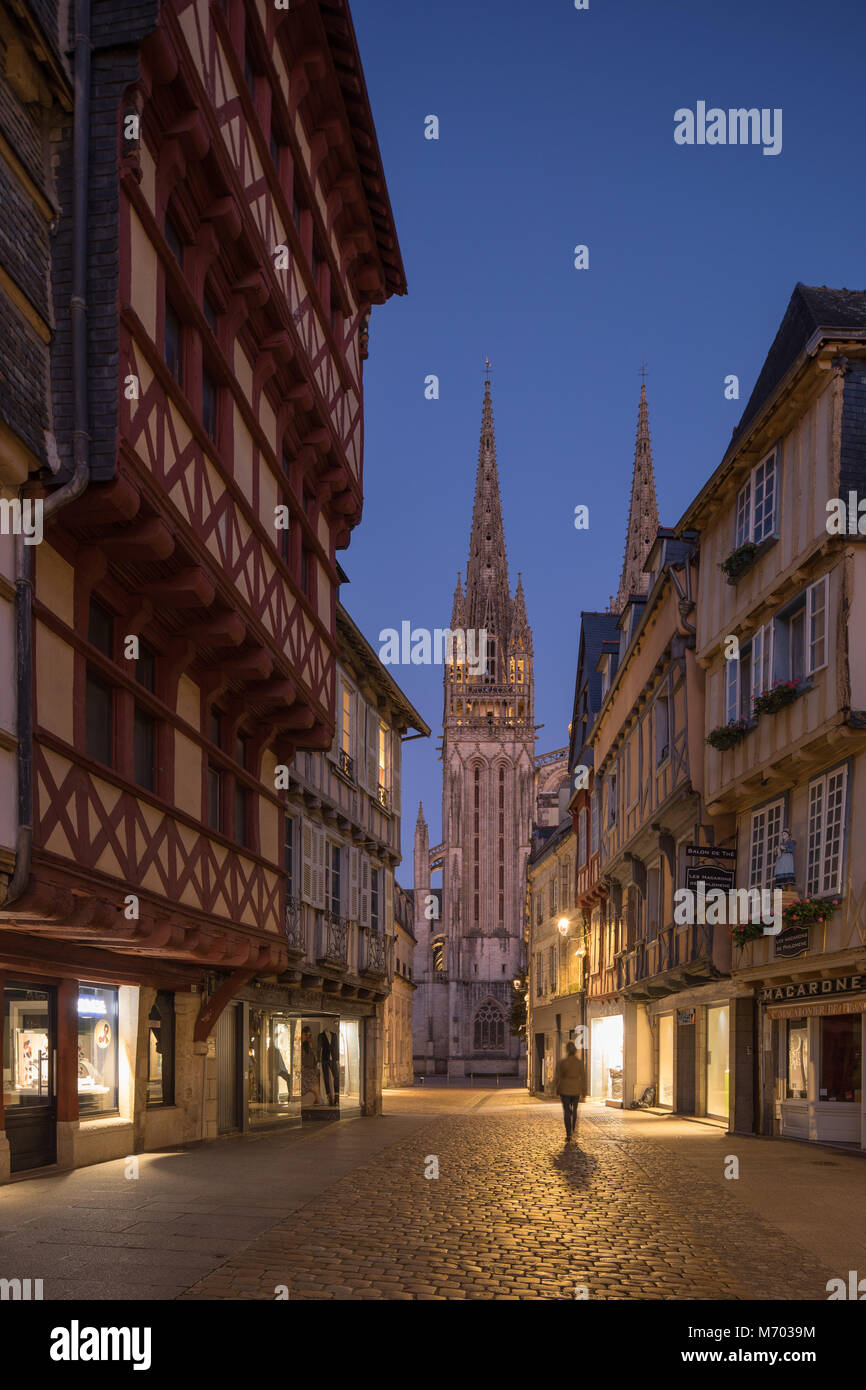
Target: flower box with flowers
<point>780,694</point>
<point>744,932</point>
<point>739,561</point>
<point>805,911</point>
<point>728,735</point>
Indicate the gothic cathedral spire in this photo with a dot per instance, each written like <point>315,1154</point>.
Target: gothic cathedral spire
<point>470,933</point>
<point>487,604</point>
<point>643,516</point>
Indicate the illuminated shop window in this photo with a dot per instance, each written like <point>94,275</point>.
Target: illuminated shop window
<point>97,1049</point>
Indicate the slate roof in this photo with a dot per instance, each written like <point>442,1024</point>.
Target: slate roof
<point>596,631</point>
<point>810,307</point>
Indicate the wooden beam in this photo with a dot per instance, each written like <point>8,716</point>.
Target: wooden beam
<point>210,1012</point>
<point>63,959</point>
<point>148,540</point>
<point>67,1051</point>
<point>224,630</point>
<point>190,588</point>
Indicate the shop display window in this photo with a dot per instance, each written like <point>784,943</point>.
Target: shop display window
<point>797,1084</point>
<point>841,1058</point>
<point>27,1077</point>
<point>97,1049</point>
<point>274,1075</point>
<point>331,1063</point>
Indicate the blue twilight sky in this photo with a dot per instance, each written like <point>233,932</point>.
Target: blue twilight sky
<point>556,128</point>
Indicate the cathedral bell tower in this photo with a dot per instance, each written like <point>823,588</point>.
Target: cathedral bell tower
<point>488,749</point>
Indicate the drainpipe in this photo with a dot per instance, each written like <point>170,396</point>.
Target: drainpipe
<point>80,452</point>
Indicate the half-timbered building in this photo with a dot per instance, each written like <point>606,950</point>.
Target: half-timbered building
<point>219,244</point>
<point>399,1067</point>
<point>780,637</point>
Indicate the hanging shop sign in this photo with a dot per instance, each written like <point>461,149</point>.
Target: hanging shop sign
<point>710,877</point>
<point>710,851</point>
<point>791,942</point>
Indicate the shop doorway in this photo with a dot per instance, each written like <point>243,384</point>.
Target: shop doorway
<point>666,1061</point>
<point>539,1062</point>
<point>29,1075</point>
<point>686,1062</point>
<point>606,1035</point>
<point>718,1073</point>
<point>228,1089</point>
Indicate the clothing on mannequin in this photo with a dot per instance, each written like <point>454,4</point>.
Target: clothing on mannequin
<point>329,1059</point>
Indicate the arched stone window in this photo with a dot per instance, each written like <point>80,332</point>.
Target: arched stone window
<point>489,1027</point>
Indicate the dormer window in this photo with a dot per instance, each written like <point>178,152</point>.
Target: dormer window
<point>756,505</point>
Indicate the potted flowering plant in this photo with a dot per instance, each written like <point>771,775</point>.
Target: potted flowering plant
<point>781,693</point>
<point>739,561</point>
<point>807,910</point>
<point>727,735</point>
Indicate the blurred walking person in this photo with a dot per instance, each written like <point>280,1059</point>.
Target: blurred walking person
<point>570,1084</point>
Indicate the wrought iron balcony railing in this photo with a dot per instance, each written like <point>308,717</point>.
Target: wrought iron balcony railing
<point>334,939</point>
<point>374,953</point>
<point>383,795</point>
<point>294,924</point>
<point>347,765</point>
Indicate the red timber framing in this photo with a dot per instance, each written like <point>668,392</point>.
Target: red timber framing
<point>180,547</point>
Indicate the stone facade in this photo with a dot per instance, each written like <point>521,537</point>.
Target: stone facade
<point>399,1070</point>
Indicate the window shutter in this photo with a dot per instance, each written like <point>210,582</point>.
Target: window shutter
<point>334,751</point>
<point>372,750</point>
<point>833,819</point>
<point>743,522</point>
<point>757,664</point>
<point>353,883</point>
<point>319,866</point>
<point>396,759</point>
<point>364,913</point>
<point>816,625</point>
<point>388,925</point>
<point>307,860</point>
<point>354,708</point>
<point>769,653</point>
<point>816,828</point>
<point>732,690</point>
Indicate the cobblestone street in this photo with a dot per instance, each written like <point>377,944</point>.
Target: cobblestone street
<point>639,1208</point>
<point>516,1214</point>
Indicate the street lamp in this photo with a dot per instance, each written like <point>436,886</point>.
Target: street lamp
<point>563,925</point>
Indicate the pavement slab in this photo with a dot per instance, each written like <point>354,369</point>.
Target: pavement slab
<point>638,1208</point>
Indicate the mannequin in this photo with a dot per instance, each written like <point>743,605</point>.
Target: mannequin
<point>329,1058</point>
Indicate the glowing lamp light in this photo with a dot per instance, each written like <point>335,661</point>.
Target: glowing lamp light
<point>563,924</point>
<point>90,1007</point>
